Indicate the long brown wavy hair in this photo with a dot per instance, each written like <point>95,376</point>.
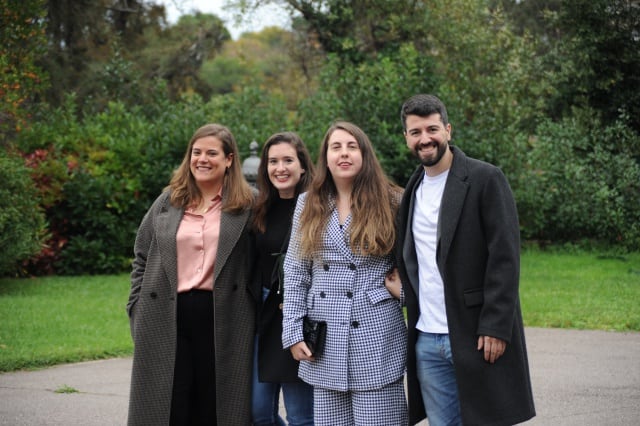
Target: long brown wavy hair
<point>374,202</point>
<point>237,195</point>
<point>267,193</point>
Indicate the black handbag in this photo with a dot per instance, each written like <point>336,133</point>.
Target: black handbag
<point>315,335</point>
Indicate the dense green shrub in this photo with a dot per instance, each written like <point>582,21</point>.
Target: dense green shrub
<point>86,171</point>
<point>583,182</point>
<point>22,224</point>
<point>100,215</point>
<point>132,159</point>
<point>96,176</point>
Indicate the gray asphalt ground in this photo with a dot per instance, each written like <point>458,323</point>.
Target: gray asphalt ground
<point>579,378</point>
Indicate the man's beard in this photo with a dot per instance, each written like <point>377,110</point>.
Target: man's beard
<point>431,160</point>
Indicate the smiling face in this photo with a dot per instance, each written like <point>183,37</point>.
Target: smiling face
<point>284,168</point>
<point>344,157</point>
<point>428,138</point>
<point>208,162</point>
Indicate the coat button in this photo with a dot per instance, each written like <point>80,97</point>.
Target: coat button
<point>349,294</point>
<point>323,294</point>
<point>153,295</point>
<point>355,324</point>
<point>235,287</point>
<point>326,267</point>
<point>352,266</point>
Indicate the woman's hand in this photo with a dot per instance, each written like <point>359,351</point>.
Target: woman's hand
<point>300,352</point>
<point>392,283</point>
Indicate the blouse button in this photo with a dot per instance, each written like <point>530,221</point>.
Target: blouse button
<point>323,294</point>
<point>355,324</point>
<point>326,267</point>
<point>349,294</point>
<point>352,266</point>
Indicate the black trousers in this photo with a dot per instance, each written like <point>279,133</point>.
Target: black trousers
<point>193,401</point>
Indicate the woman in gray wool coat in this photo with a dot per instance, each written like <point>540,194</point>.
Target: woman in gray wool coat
<point>191,310</point>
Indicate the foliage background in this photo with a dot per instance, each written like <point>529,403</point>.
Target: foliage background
<point>99,101</point>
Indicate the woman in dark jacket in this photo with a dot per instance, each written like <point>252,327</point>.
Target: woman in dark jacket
<point>191,313</point>
<point>284,172</point>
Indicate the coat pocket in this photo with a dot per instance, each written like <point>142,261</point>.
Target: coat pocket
<point>379,294</point>
<point>473,297</point>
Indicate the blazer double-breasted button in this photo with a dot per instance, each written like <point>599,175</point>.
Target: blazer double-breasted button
<point>323,294</point>
<point>355,324</point>
<point>352,266</point>
<point>349,294</point>
<point>153,295</point>
<point>326,267</point>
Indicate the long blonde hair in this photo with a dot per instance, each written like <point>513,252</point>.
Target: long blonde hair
<point>236,193</point>
<point>374,201</point>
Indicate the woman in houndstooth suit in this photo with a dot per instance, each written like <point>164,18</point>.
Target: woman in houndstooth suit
<point>339,254</point>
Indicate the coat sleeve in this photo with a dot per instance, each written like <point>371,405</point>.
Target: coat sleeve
<point>141,247</point>
<point>501,227</point>
<point>297,281</point>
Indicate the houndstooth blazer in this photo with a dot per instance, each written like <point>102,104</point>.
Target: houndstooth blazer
<point>366,331</point>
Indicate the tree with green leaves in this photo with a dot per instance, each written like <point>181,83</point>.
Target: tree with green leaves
<point>81,34</point>
<point>184,48</point>
<point>354,29</point>
<point>493,87</point>
<point>597,59</point>
<point>110,50</point>
<point>22,80</point>
<point>273,58</point>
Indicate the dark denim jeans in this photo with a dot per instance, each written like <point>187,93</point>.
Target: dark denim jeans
<point>298,398</point>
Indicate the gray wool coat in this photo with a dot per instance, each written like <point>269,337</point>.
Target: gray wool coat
<point>478,256</point>
<point>152,314</point>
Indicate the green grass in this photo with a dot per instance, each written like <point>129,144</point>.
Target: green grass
<point>66,389</point>
<point>52,320</point>
<point>582,291</point>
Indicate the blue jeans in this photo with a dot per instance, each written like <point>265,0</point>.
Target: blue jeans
<point>298,401</point>
<point>436,374</point>
<point>298,398</point>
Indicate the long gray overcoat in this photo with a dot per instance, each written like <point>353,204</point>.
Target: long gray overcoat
<point>478,255</point>
<point>152,314</point>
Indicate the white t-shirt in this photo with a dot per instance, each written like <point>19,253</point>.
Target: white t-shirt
<point>433,315</point>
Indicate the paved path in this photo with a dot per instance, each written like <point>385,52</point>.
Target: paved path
<point>580,378</point>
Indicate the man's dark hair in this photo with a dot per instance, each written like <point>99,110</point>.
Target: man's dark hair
<point>423,105</point>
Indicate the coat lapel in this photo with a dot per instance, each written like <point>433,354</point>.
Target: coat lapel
<point>453,198</point>
<point>233,225</point>
<point>168,222</point>
<point>338,235</point>
<point>408,249</point>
